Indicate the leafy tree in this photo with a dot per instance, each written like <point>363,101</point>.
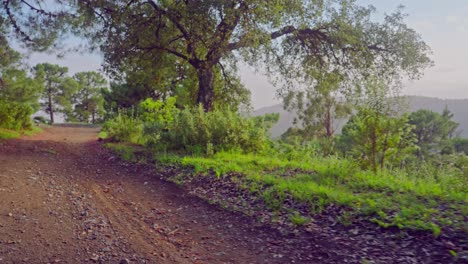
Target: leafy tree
<point>18,93</point>
<point>88,101</point>
<point>123,95</point>
<point>18,87</point>
<point>432,130</point>
<point>290,37</point>
<point>57,88</point>
<point>450,126</point>
<point>319,105</point>
<point>377,134</point>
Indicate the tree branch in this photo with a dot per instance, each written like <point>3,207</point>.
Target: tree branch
<point>225,75</point>
<point>224,32</point>
<point>174,52</point>
<point>176,21</point>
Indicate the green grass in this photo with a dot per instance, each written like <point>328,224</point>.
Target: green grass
<point>388,198</point>
<point>298,219</point>
<point>126,152</point>
<point>418,200</point>
<point>34,130</point>
<point>9,134</point>
<point>103,134</point>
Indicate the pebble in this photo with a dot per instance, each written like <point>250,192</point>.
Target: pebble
<point>125,261</point>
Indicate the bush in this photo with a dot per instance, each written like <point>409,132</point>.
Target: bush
<point>195,130</point>
<point>161,126</point>
<point>124,128</point>
<point>15,116</point>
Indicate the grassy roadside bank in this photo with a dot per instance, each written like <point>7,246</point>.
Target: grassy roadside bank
<point>9,134</point>
<point>305,188</point>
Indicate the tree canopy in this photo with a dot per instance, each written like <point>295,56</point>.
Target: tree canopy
<point>296,39</point>
<point>37,24</point>
<point>293,40</point>
<point>58,88</point>
<point>87,100</point>
<point>432,129</point>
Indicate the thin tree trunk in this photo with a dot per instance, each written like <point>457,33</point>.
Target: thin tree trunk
<point>206,88</point>
<point>51,110</point>
<point>328,124</point>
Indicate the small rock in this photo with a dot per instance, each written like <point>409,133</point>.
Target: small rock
<point>10,214</point>
<point>125,261</point>
<point>106,249</point>
<point>94,258</point>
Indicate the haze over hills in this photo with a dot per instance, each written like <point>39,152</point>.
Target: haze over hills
<point>459,107</point>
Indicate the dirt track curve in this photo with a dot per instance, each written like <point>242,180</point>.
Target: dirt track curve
<point>66,199</point>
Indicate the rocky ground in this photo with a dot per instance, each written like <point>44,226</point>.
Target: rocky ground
<point>66,199</point>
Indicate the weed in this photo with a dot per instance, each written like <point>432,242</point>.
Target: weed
<point>298,219</point>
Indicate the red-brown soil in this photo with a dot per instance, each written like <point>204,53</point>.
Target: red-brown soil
<point>66,199</point>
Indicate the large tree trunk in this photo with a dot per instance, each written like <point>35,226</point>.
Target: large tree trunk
<point>205,88</point>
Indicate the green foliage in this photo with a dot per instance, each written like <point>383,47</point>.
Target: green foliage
<point>36,25</point>
<point>14,115</point>
<point>298,219</point>
<point>125,152</point>
<point>460,145</point>
<point>206,39</point>
<point>432,131</point>
<point>376,139</point>
<point>16,86</point>
<point>124,128</point>
<point>376,134</point>
<point>193,128</point>
<point>8,134</point>
<point>419,196</point>
<point>160,125</point>
<point>124,96</point>
<point>408,198</point>
<point>158,111</point>
<point>87,100</point>
<point>103,134</point>
<point>319,105</point>
<point>58,89</point>
<point>18,93</point>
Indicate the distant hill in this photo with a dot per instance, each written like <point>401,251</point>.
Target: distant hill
<point>459,107</point>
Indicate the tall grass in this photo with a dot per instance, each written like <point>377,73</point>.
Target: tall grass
<point>397,197</point>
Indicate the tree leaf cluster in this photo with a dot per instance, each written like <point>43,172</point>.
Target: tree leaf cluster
<point>78,98</point>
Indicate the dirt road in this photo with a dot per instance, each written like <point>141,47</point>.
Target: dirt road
<point>66,199</point>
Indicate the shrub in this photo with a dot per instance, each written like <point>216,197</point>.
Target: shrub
<point>124,128</point>
<point>214,131</point>
<point>15,116</point>
<point>161,126</point>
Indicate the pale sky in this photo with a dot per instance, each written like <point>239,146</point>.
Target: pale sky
<point>442,24</point>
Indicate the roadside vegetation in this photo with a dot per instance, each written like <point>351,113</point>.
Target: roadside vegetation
<point>404,190</point>
<point>175,93</point>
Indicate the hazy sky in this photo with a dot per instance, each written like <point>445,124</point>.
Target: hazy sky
<point>442,24</point>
